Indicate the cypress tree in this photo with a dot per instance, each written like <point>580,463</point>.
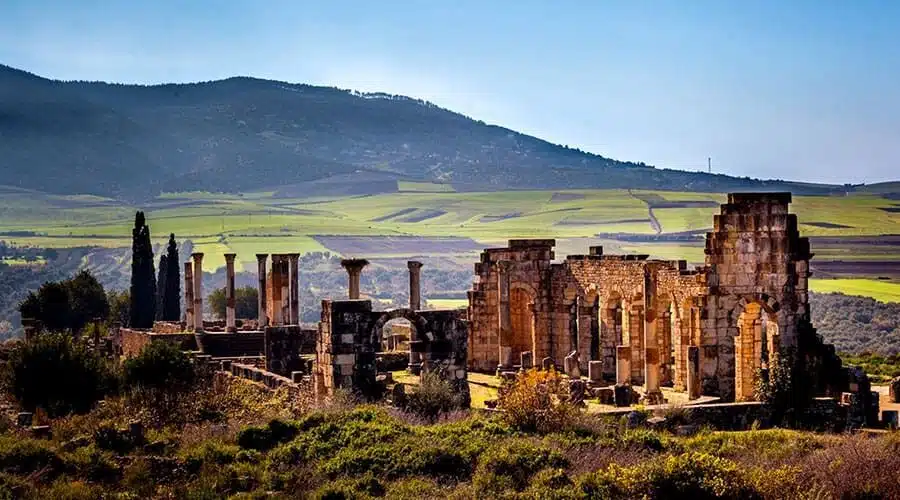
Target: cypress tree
<point>143,276</point>
<point>171,303</point>
<point>161,287</point>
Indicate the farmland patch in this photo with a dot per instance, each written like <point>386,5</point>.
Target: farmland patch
<point>563,197</point>
<point>396,245</point>
<point>423,215</point>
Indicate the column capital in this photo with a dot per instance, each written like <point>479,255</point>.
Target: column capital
<point>354,265</point>
<point>413,265</point>
<point>229,257</point>
<point>262,256</point>
<point>293,257</point>
<point>197,255</point>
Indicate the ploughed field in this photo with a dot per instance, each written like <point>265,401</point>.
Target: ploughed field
<point>855,236</point>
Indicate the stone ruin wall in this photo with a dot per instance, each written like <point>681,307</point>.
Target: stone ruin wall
<point>710,330</point>
<point>350,335</point>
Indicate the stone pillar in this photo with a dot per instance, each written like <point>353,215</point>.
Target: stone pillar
<point>198,291</point>
<point>505,322</point>
<point>262,317</point>
<point>229,293</point>
<point>693,372</point>
<point>623,364</point>
<point>354,268</point>
<point>415,292</point>
<point>294,280</point>
<point>277,284</point>
<point>188,296</point>
<point>651,342</point>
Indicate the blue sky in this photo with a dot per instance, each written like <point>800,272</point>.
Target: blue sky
<point>803,90</point>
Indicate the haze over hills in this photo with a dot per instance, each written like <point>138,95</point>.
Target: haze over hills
<point>241,134</point>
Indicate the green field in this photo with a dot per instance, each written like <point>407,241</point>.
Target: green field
<point>263,223</point>
<point>882,291</point>
<point>448,303</point>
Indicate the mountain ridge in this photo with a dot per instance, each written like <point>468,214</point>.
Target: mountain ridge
<point>134,141</point>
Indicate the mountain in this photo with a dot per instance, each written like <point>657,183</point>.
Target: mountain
<point>240,134</point>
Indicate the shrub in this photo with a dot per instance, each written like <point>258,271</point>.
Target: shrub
<point>538,401</point>
<point>58,374</point>
<point>432,397</point>
<point>511,465</point>
<point>26,456</point>
<point>265,438</point>
<point>160,366</point>
<point>689,475</point>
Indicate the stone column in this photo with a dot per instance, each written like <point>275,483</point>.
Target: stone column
<point>623,364</point>
<point>505,323</point>
<point>277,299</point>
<point>198,291</point>
<point>354,268</point>
<point>415,291</point>
<point>651,342</point>
<point>263,318</point>
<point>294,280</point>
<point>229,293</point>
<point>693,372</point>
<point>188,296</point>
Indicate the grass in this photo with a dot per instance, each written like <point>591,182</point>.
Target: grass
<point>882,291</point>
<point>448,303</point>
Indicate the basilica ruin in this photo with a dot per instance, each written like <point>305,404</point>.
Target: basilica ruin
<point>627,319</point>
<point>606,321</point>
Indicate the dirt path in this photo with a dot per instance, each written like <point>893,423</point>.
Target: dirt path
<point>654,222</point>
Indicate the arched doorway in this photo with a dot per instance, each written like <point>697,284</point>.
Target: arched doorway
<point>396,334</point>
<point>755,346</point>
<point>612,324</point>
<point>521,321</point>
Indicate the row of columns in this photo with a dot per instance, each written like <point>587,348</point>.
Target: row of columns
<point>289,312</point>
<point>286,306</point>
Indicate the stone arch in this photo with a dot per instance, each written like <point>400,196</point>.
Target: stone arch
<point>611,312</point>
<point>756,342</point>
<point>522,327</point>
<point>668,337</point>
<point>419,325</point>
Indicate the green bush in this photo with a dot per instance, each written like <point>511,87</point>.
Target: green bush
<point>537,401</point>
<point>26,456</point>
<point>160,366</point>
<point>58,374</point>
<point>689,475</point>
<point>93,464</point>
<point>263,438</point>
<point>509,466</point>
<point>13,487</point>
<point>432,397</point>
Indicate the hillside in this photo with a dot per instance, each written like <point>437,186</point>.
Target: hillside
<point>241,134</point>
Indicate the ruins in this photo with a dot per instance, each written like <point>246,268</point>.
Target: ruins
<point>629,324</point>
<point>343,348</point>
<point>627,319</point>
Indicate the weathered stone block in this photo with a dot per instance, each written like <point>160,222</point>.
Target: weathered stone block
<point>576,392</point>
<point>595,371</point>
<point>622,395</point>
<point>24,419</point>
<point>527,360</point>
<point>570,365</point>
<point>547,364</point>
